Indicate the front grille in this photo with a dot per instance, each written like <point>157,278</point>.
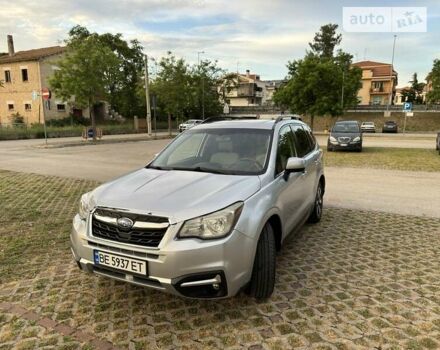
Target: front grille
<point>147,237</point>
<point>344,139</point>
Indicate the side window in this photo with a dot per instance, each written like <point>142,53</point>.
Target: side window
<point>302,143</point>
<point>285,148</point>
<point>312,138</point>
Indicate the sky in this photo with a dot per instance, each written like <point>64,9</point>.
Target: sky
<point>261,36</point>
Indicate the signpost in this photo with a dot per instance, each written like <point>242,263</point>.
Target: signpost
<point>46,94</point>
<point>407,109</point>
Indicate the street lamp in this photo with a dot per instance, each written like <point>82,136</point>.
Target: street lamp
<point>147,96</point>
<point>203,83</point>
<point>391,74</point>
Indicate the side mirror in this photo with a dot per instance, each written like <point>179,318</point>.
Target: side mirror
<point>294,165</point>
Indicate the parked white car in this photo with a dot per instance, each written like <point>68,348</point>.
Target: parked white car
<point>368,127</point>
<point>189,124</point>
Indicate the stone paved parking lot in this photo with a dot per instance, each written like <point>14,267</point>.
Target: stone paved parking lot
<point>357,280</point>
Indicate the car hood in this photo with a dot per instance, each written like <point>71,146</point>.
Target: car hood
<point>179,195</point>
<point>352,135</point>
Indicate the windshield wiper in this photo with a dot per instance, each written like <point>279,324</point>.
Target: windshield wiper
<point>157,167</point>
<point>203,170</point>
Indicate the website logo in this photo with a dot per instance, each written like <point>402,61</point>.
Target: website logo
<point>384,19</point>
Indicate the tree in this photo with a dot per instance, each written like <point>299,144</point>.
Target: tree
<point>172,86</point>
<point>87,74</point>
<point>414,92</point>
<point>205,79</point>
<point>325,41</point>
<point>182,89</point>
<point>123,97</point>
<point>321,83</point>
<point>433,95</point>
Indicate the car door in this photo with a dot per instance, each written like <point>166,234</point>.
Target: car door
<point>288,190</point>
<point>306,151</point>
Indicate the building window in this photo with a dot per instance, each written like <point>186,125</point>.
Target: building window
<point>24,75</point>
<point>27,107</point>
<point>61,107</point>
<point>10,106</point>
<point>7,76</point>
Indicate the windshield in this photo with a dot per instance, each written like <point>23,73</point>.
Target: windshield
<point>191,121</point>
<point>348,127</point>
<point>223,151</point>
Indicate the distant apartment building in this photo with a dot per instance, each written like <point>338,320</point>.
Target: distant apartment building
<point>379,81</point>
<point>271,86</point>
<point>248,91</point>
<point>22,73</point>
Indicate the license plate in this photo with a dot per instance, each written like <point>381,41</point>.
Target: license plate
<point>343,144</point>
<point>120,262</point>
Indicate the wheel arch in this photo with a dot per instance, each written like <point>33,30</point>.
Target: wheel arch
<point>275,222</point>
<point>322,182</point>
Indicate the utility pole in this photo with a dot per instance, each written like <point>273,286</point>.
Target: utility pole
<point>391,75</point>
<point>203,84</point>
<point>147,96</point>
<point>342,89</point>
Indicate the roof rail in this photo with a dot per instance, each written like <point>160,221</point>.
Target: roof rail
<point>287,116</point>
<point>227,117</point>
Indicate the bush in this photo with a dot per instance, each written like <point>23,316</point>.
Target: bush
<point>16,119</point>
<point>69,121</point>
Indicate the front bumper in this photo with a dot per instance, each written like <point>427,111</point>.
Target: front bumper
<point>176,266</point>
<point>349,146</point>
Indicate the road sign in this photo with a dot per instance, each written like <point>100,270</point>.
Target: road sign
<point>45,92</point>
<point>407,107</point>
<point>226,109</point>
<point>34,95</point>
<point>410,114</point>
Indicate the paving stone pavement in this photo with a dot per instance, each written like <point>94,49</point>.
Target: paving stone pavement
<point>357,280</point>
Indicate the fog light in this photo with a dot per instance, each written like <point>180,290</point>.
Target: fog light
<point>216,286</point>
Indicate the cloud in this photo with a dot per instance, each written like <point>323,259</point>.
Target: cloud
<point>258,35</point>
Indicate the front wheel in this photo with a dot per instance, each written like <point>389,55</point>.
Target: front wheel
<point>263,272</point>
<point>316,214</point>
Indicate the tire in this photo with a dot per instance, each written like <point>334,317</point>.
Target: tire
<point>359,149</point>
<point>263,272</point>
<point>316,214</point>
<point>329,148</point>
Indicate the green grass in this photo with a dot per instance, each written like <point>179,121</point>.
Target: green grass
<point>410,159</point>
<point>35,219</point>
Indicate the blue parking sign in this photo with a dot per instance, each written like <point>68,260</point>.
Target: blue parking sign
<point>407,106</point>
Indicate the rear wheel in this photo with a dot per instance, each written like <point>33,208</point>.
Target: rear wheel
<point>263,272</point>
<point>316,214</point>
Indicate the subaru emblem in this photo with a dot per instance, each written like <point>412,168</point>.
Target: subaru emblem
<point>125,223</point>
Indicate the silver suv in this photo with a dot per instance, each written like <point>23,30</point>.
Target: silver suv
<point>204,218</point>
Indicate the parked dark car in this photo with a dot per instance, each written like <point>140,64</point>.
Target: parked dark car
<point>437,144</point>
<point>390,126</point>
<point>345,135</point>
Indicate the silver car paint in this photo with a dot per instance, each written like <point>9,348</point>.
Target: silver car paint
<point>181,195</point>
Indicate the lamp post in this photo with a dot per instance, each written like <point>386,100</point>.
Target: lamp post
<point>203,84</point>
<point>391,74</point>
<point>147,96</point>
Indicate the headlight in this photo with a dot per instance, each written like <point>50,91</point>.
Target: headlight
<point>356,139</point>
<point>214,225</point>
<point>332,139</point>
<point>84,206</point>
